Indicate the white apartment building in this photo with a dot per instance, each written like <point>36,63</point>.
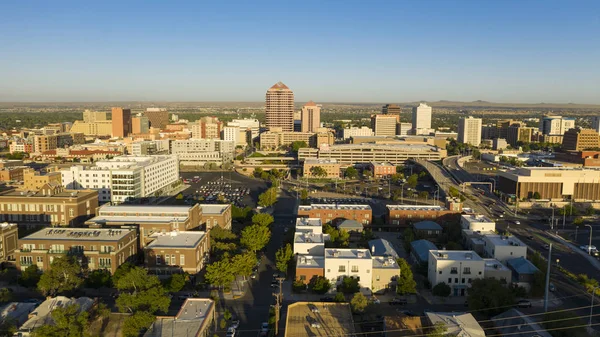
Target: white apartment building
<point>149,147</point>
<point>202,151</point>
<point>384,125</point>
<point>503,248</point>
<point>355,263</point>
<point>456,268</point>
<point>404,129</point>
<point>469,131</point>
<point>421,119</point>
<point>309,225</point>
<point>309,244</point>
<point>124,177</point>
<point>477,223</point>
<point>247,123</point>
<point>556,125</point>
<point>357,132</point>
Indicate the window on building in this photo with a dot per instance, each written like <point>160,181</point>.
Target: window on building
<point>342,269</point>
<point>456,280</point>
<point>158,259</point>
<point>454,270</point>
<point>26,260</point>
<point>449,280</point>
<point>167,259</point>
<point>173,262</point>
<point>181,260</point>
<point>467,270</point>
<point>40,259</point>
<point>463,281</point>
<point>377,278</point>
<point>355,269</point>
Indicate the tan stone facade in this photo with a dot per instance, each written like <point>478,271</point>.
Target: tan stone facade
<point>580,139</point>
<point>331,167</point>
<point>216,215</point>
<point>51,205</point>
<point>311,117</point>
<point>94,248</point>
<point>12,173</point>
<point>33,181</point>
<point>185,251</point>
<point>9,235</point>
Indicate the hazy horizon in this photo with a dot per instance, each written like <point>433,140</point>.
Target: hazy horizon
<point>523,52</point>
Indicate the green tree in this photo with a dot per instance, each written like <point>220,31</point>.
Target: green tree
<point>319,284</point>
<point>63,276</point>
<point>99,278</point>
<point>396,177</point>
<point>536,195</point>
<point>423,195</point>
<point>476,154</point>
<point>408,236</point>
<point>367,173</point>
<point>318,171</point>
<point>304,194</point>
<point>578,221</point>
<point>141,292</point>
<point>175,283</point>
<point>30,276</point>
<point>69,321</point>
<point>453,191</point>
<point>220,273</point>
<point>268,198</point>
<point>406,283</point>
<point>240,214</point>
<point>412,180</point>
<point>255,237</point>
<point>8,327</point>
<point>489,296</point>
<point>351,173</point>
<point>6,295</point>
<point>134,324</point>
<point>359,302</point>
<point>227,314</point>
<point>257,171</point>
<point>221,234</point>
<point>339,297</point>
<point>263,219</point>
<point>441,289</point>
<point>283,256</point>
<point>298,286</point>
<point>242,264</point>
<point>124,269</point>
<point>297,145</point>
<point>437,330</point>
<point>349,285</point>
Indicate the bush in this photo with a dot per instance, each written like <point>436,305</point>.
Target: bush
<point>349,286</point>
<point>319,284</point>
<point>298,286</point>
<point>339,297</point>
<point>441,289</point>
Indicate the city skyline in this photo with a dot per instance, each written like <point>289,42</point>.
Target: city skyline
<point>518,52</point>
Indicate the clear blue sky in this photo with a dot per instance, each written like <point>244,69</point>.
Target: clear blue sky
<point>327,51</point>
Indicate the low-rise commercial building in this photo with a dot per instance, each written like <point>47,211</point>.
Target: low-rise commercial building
<point>385,274</point>
<point>309,266</point>
<point>12,173</point>
<point>335,213</point>
<point>503,248</point>
<point>148,219</point>
<point>331,319</point>
<point>9,234</point>
<point>399,217</point>
<point>275,138</point>
<point>216,215</point>
<point>42,143</point>
<point>50,205</point>
<point>356,131</point>
<point>354,263</point>
<point>331,168</point>
<point>93,248</point>
<point>198,152</point>
<point>477,222</point>
<point>523,271</point>
<point>495,269</point>
<point>308,243</point>
<point>42,315</point>
<point>177,252</point>
<point>427,229</point>
<point>382,169</point>
<point>351,226</point>
<point>419,251</point>
<point>456,323</point>
<point>195,318</point>
<point>456,268</point>
<point>551,183</point>
<point>309,225</point>
<point>33,180</point>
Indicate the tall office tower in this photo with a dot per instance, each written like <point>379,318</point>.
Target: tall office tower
<point>596,124</point>
<point>385,125</point>
<point>556,125</point>
<point>121,122</point>
<point>90,116</point>
<point>391,109</point>
<point>421,119</point>
<point>207,128</point>
<point>158,117</point>
<point>140,124</point>
<point>279,109</point>
<point>469,131</point>
<point>311,117</point>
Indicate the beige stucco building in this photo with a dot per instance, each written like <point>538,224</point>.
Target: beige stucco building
<point>330,166</point>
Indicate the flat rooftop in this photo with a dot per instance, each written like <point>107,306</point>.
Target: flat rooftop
<point>308,222</point>
<point>416,208</point>
<point>385,262</point>
<point>455,255</point>
<point>320,161</point>
<point>346,253</point>
<point>79,234</point>
<point>335,207</point>
<point>319,319</point>
<point>300,237</point>
<point>402,147</point>
<point>309,261</point>
<point>189,321</point>
<point>38,194</point>
<point>503,240</point>
<point>184,239</point>
<point>141,210</point>
<point>476,218</point>
<point>214,208</point>
<point>493,264</point>
<point>381,163</point>
<point>136,219</point>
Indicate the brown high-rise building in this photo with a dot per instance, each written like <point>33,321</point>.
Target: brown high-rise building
<point>580,139</point>
<point>391,109</point>
<point>279,109</point>
<point>311,117</point>
<point>158,117</point>
<point>121,122</point>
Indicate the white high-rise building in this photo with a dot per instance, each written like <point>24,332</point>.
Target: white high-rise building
<point>231,133</point>
<point>354,131</point>
<point>202,151</point>
<point>596,124</point>
<point>421,119</point>
<point>247,123</point>
<point>556,125</point>
<point>124,177</point>
<point>469,131</point>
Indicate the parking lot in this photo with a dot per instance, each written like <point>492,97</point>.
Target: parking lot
<point>229,187</point>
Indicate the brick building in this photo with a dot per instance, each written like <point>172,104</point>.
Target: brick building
<point>50,205</point>
<point>382,169</point>
<point>330,166</point>
<point>12,173</point>
<point>176,252</point>
<point>216,215</point>
<point>336,213</point>
<point>399,217</point>
<point>308,267</point>
<point>9,234</point>
<point>94,248</point>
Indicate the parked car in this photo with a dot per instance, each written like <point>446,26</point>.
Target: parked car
<point>235,324</point>
<point>587,247</point>
<point>264,327</point>
<point>546,246</point>
<point>230,332</point>
<point>326,299</point>
<point>524,304</point>
<point>398,301</point>
<point>551,287</point>
<point>408,313</point>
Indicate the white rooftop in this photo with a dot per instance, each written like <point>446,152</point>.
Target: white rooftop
<point>183,239</point>
<point>457,323</point>
<point>335,206</point>
<point>503,240</point>
<point>476,218</point>
<point>78,234</point>
<point>455,255</point>
<point>214,208</point>
<point>320,161</point>
<point>132,219</point>
<point>309,261</point>
<point>136,210</point>
<point>493,264</point>
<point>385,262</point>
<point>416,208</point>
<point>309,237</point>
<point>190,320</point>
<point>308,222</point>
<point>345,253</point>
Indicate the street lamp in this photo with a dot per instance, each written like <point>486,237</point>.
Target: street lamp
<point>592,305</point>
<point>590,245</point>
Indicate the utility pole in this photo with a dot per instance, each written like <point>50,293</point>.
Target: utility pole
<point>564,216</point>
<point>547,278</point>
<point>552,221</point>
<point>278,300</point>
